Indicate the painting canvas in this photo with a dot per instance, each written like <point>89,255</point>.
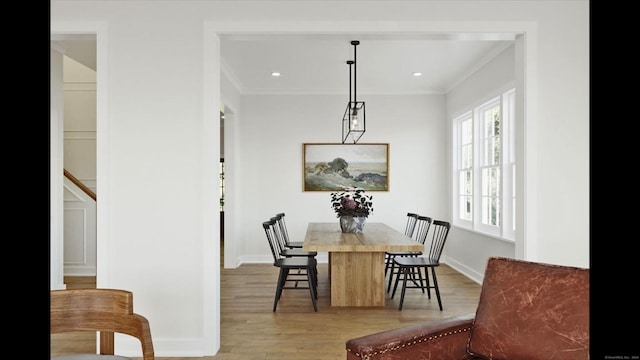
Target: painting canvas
<point>336,167</point>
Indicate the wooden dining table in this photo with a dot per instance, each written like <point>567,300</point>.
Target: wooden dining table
<point>357,261</point>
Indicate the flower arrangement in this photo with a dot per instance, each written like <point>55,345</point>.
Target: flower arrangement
<point>352,202</point>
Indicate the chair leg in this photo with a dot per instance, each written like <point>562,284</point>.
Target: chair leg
<point>388,260</point>
<point>395,284</point>
<point>405,272</point>
<point>312,287</point>
<point>282,276</point>
<point>429,287</point>
<point>416,278</point>
<point>393,269</point>
<point>314,280</point>
<point>435,286</point>
<point>408,273</point>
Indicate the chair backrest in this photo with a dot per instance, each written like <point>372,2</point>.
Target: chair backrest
<point>282,225</point>
<point>411,224</point>
<point>439,232</point>
<point>107,311</point>
<point>270,231</point>
<point>278,235</point>
<point>531,310</point>
<point>423,223</point>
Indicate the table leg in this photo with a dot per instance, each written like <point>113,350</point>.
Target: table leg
<point>357,278</point>
<point>329,267</point>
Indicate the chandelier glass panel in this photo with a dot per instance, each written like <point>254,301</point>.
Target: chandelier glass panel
<point>353,120</point>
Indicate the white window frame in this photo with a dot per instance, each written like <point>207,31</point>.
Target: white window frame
<point>505,194</point>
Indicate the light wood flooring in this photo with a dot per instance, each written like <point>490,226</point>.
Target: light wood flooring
<point>251,331</point>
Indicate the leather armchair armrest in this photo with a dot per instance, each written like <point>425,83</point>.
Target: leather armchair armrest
<point>444,339</point>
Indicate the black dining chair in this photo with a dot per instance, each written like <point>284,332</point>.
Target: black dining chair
<point>409,230</point>
<point>422,225</point>
<point>285,233</point>
<point>411,269</point>
<point>282,247</point>
<point>304,268</point>
<point>282,243</point>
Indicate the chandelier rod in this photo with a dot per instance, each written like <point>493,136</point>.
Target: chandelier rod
<point>350,62</point>
<point>355,43</point>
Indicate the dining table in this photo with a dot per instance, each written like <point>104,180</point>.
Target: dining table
<point>357,260</point>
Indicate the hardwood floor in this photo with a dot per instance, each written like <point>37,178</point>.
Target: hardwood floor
<point>251,331</point>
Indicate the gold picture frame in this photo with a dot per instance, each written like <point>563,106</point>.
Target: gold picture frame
<point>336,167</point>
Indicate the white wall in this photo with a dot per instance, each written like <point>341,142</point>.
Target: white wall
<point>56,169</point>
<point>158,152</point>
<point>468,251</point>
<point>273,129</point>
<point>563,136</point>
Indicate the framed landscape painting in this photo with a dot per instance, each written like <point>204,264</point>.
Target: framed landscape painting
<point>336,167</point>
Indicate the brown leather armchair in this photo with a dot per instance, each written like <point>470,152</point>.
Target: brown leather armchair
<point>527,310</point>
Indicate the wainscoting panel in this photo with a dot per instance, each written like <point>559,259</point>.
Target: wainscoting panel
<point>79,232</point>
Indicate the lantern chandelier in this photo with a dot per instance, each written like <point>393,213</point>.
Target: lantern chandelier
<point>353,120</point>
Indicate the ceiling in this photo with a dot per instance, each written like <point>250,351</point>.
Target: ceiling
<point>312,64</point>
<point>81,48</point>
<point>316,64</point>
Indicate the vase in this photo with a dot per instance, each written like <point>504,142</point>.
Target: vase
<point>352,224</point>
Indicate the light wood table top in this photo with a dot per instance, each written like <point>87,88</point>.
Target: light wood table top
<point>377,237</point>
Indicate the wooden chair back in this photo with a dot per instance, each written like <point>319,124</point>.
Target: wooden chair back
<point>107,311</point>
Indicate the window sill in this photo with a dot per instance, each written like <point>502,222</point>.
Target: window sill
<point>493,236</point>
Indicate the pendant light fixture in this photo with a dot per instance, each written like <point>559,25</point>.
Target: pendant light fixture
<point>353,120</point>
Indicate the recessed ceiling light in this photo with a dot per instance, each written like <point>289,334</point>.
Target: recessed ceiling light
<point>275,74</point>
<point>416,74</point>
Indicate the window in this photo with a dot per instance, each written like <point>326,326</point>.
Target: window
<point>484,166</point>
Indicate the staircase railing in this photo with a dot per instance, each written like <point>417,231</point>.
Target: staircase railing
<point>79,184</point>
